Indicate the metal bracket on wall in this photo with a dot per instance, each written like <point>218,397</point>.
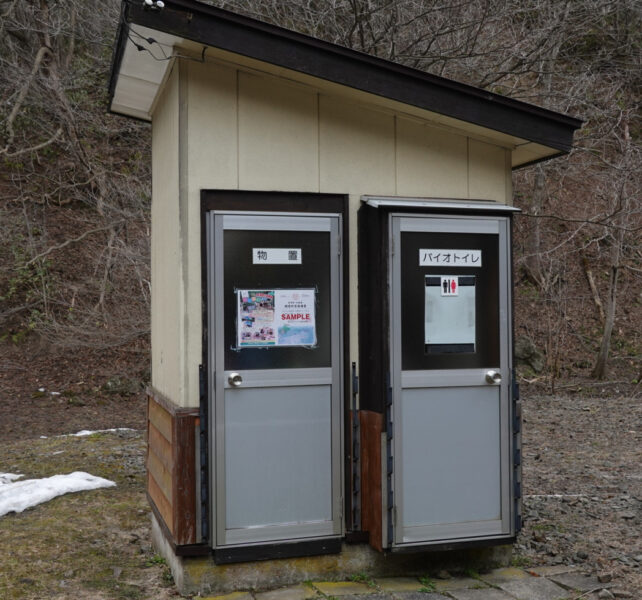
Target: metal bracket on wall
<point>203,416</point>
<point>517,451</point>
<point>389,459</point>
<point>356,454</point>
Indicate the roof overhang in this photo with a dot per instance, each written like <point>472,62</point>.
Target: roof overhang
<point>437,204</point>
<point>148,39</point>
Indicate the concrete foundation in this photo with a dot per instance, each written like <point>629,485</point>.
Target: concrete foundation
<point>199,575</point>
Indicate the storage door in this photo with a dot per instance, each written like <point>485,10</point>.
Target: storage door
<point>450,312</point>
<point>276,344</point>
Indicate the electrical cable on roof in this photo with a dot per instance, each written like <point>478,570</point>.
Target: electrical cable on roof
<point>151,40</point>
<point>153,5</point>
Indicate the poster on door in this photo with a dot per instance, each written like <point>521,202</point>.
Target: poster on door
<point>269,318</point>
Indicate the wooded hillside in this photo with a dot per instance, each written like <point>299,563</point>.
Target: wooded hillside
<point>75,180</point>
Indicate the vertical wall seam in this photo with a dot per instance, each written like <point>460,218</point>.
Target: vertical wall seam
<point>508,180</point>
<point>183,233</point>
<point>318,97</point>
<point>238,128</point>
<point>394,142</point>
<point>467,167</point>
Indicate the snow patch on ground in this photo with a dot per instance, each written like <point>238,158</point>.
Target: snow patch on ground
<point>85,432</point>
<point>16,496</point>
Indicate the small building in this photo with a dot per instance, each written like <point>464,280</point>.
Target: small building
<point>332,369</point>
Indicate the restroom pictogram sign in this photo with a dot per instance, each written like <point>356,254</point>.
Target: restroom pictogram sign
<point>450,286</point>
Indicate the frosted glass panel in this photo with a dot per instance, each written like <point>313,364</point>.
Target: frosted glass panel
<point>277,455</point>
<point>449,317</point>
<point>451,455</point>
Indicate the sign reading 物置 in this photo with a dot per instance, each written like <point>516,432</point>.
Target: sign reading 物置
<point>276,256</point>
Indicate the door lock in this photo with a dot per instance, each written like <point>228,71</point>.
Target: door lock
<point>493,377</point>
<point>235,379</point>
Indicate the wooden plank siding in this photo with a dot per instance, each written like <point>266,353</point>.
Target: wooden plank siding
<point>371,514</point>
<point>171,466</point>
<point>162,504</point>
<point>161,418</point>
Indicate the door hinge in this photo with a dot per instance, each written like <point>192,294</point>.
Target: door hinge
<point>356,451</point>
<point>201,381</point>
<point>515,386</point>
<point>517,491</point>
<point>204,457</point>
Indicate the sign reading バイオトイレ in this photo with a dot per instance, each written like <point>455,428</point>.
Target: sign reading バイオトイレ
<point>429,257</point>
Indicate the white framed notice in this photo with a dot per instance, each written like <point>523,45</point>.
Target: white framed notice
<point>449,315</point>
<point>268,318</point>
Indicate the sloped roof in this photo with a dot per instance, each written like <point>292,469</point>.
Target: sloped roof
<point>148,38</point>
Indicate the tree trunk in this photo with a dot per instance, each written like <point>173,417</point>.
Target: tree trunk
<point>599,371</point>
<point>534,240</point>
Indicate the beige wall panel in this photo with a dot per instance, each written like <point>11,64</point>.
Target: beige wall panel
<point>344,93</point>
<point>210,161</point>
<point>508,178</point>
<point>211,126</point>
<point>165,262</point>
<point>357,156</point>
<point>278,135</point>
<point>357,149</point>
<point>486,171</point>
<point>431,163</point>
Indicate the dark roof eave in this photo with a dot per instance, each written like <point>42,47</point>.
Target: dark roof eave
<point>118,52</point>
<point>248,37</point>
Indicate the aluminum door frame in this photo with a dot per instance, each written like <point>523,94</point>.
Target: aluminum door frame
<point>458,224</point>
<point>217,221</point>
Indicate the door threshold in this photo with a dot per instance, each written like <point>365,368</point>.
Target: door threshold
<point>455,545</point>
<point>227,555</point>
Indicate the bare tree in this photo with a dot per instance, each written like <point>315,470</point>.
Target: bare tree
<point>63,160</point>
<point>74,191</point>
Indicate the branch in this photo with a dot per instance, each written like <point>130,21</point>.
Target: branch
<point>68,242</point>
<point>44,50</point>
<point>594,291</point>
<point>5,15</point>
<point>586,221</point>
<point>51,140</point>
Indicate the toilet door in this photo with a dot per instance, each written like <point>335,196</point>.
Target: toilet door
<point>450,341</point>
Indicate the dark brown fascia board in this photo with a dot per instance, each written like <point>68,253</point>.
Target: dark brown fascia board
<point>248,37</point>
<point>118,51</point>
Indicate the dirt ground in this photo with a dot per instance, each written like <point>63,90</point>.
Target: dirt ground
<point>45,391</point>
<point>88,545</point>
<point>582,471</point>
<point>583,482</point>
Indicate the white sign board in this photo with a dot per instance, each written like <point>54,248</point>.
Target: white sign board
<point>429,257</point>
<point>276,256</point>
<point>276,318</point>
<point>450,286</point>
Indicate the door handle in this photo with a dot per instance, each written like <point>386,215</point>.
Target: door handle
<point>235,379</point>
<point>493,377</point>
